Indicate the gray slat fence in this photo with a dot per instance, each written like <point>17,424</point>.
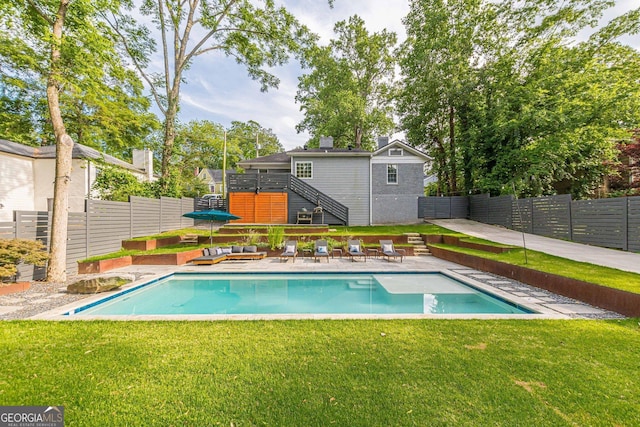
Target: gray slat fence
<point>100,229</point>
<point>600,222</point>
<point>611,223</point>
<point>633,224</point>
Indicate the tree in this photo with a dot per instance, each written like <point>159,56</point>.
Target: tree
<point>527,105</point>
<point>116,184</point>
<point>251,140</point>
<point>258,37</point>
<point>439,65</point>
<point>349,91</point>
<point>103,107</point>
<point>73,52</point>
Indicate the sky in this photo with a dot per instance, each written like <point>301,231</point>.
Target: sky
<point>219,90</point>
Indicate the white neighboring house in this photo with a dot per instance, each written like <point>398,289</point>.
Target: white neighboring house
<point>27,175</point>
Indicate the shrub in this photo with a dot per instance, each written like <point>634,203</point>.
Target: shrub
<point>15,251</point>
<point>275,237</point>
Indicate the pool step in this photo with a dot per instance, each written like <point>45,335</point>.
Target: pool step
<point>419,248</point>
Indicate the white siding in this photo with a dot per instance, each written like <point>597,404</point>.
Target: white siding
<point>78,189</point>
<point>16,185</point>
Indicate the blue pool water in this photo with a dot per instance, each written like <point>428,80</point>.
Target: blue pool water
<point>302,293</point>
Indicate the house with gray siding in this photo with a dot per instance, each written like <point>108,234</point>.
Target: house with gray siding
<point>382,187</point>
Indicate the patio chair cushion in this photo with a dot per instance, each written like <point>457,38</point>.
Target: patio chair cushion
<point>236,249</point>
<point>322,249</point>
<point>250,249</point>
<point>206,252</point>
<point>290,248</point>
<point>387,248</point>
<point>354,248</point>
<point>225,250</point>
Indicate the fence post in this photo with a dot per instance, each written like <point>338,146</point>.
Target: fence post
<point>87,228</point>
<point>130,218</point>
<point>570,218</point>
<point>625,226</point>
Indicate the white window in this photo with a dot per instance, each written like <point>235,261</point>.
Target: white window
<point>392,174</point>
<point>304,170</point>
<point>395,152</point>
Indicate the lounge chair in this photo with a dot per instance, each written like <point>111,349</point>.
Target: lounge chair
<point>354,249</point>
<point>387,250</point>
<point>290,250</point>
<point>321,250</point>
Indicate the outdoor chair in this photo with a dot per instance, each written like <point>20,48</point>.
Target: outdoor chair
<point>387,250</point>
<point>321,250</point>
<point>354,250</point>
<point>290,250</point>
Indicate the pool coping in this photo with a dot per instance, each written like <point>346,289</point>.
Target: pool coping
<point>541,312</point>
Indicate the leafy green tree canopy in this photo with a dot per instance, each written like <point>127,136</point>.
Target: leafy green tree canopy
<point>348,93</point>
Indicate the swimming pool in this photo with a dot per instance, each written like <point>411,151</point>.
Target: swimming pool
<point>301,293</point>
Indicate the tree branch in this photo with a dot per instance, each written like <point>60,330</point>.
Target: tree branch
<point>136,63</point>
<point>40,12</point>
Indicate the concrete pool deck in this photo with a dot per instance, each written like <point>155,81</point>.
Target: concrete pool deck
<point>38,304</point>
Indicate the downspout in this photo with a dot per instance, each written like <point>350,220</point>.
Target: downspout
<point>88,179</point>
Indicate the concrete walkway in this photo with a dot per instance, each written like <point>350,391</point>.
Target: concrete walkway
<point>613,258</point>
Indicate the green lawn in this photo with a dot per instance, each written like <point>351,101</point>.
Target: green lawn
<point>321,373</point>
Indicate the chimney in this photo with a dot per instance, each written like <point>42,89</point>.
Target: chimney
<point>326,142</point>
<point>143,159</point>
<point>383,141</point>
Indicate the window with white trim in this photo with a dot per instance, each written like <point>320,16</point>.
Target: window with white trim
<point>304,170</point>
<point>396,152</point>
<point>392,174</point>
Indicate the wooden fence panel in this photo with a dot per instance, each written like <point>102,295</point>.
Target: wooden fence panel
<point>271,208</point>
<point>108,223</point>
<point>262,208</point>
<point>479,208</point>
<point>633,224</point>
<point>601,222</point>
<point>500,211</point>
<point>76,240</point>
<point>7,230</point>
<point>242,205</point>
<point>187,205</point>
<point>522,217</point>
<point>552,216</point>
<point>170,214</point>
<point>145,216</point>
<point>32,225</point>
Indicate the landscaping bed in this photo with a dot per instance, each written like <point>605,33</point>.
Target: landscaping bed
<point>151,244</point>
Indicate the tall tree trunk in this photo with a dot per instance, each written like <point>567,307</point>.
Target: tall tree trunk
<point>56,269</point>
<point>358,137</point>
<point>453,178</point>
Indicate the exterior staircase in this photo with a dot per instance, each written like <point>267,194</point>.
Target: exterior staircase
<point>419,248</point>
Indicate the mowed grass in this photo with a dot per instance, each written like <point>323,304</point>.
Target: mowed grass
<point>321,373</point>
